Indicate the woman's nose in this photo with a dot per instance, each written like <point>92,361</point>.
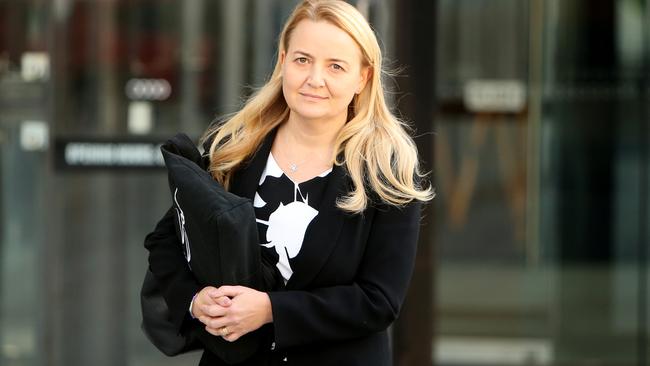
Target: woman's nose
<point>315,78</point>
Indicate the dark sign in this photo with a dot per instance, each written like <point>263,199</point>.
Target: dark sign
<point>94,153</point>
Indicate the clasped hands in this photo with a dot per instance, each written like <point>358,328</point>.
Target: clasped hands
<point>232,311</point>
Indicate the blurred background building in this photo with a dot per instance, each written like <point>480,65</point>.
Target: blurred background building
<point>531,114</point>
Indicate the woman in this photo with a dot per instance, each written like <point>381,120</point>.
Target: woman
<point>334,181</point>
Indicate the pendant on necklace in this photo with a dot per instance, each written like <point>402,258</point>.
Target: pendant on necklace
<point>293,167</point>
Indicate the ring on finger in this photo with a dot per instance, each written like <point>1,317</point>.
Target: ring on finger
<point>224,331</point>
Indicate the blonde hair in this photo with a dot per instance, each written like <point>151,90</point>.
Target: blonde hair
<point>373,145</point>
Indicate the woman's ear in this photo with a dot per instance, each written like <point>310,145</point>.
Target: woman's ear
<point>281,60</point>
<point>365,76</point>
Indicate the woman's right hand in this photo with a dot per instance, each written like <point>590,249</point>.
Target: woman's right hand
<point>208,304</point>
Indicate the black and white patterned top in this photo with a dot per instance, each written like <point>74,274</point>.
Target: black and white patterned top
<point>284,210</point>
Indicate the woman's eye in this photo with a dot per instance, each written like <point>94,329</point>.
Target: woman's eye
<point>302,60</point>
<point>337,67</point>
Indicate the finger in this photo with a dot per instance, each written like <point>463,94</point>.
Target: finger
<point>212,291</point>
<point>212,322</point>
<point>204,298</point>
<point>223,332</point>
<point>231,337</point>
<point>230,291</point>
<point>204,319</point>
<point>213,310</point>
<point>213,331</point>
<point>224,301</point>
<point>216,323</point>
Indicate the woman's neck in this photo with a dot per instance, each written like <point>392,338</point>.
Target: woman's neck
<point>311,134</point>
<point>304,149</point>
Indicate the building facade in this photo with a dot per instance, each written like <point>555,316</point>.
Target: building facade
<point>531,115</point>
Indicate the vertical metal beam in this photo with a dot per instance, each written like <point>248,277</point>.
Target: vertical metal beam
<point>644,191</point>
<point>584,172</point>
<point>53,325</point>
<point>535,87</point>
<point>415,49</point>
<point>233,16</point>
<point>192,25</point>
<point>108,92</point>
<point>264,41</point>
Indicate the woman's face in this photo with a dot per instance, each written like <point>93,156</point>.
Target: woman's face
<point>321,72</point>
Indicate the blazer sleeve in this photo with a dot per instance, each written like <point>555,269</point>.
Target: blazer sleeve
<point>169,267</point>
<point>369,304</point>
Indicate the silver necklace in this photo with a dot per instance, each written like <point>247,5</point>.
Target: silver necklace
<point>293,167</point>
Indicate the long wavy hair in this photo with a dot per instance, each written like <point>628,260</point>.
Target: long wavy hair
<point>380,157</point>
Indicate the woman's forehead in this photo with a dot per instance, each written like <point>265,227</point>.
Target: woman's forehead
<point>323,40</point>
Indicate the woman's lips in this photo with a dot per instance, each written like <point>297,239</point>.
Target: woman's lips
<point>313,96</point>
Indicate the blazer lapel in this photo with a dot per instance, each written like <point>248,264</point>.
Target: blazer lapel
<point>322,234</point>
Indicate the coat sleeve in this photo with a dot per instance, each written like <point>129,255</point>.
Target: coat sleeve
<point>369,304</point>
<point>169,267</point>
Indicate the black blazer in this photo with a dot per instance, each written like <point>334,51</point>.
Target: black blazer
<point>338,304</point>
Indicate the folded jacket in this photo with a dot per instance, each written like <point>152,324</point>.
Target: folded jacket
<point>219,237</point>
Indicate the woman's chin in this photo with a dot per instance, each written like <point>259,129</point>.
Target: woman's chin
<point>310,114</point>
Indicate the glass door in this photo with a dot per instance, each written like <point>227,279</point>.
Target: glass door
<point>23,213</point>
<point>541,164</point>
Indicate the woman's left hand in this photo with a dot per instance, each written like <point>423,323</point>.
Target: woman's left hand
<point>248,311</point>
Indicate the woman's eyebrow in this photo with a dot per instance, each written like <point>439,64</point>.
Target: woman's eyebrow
<point>303,53</point>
